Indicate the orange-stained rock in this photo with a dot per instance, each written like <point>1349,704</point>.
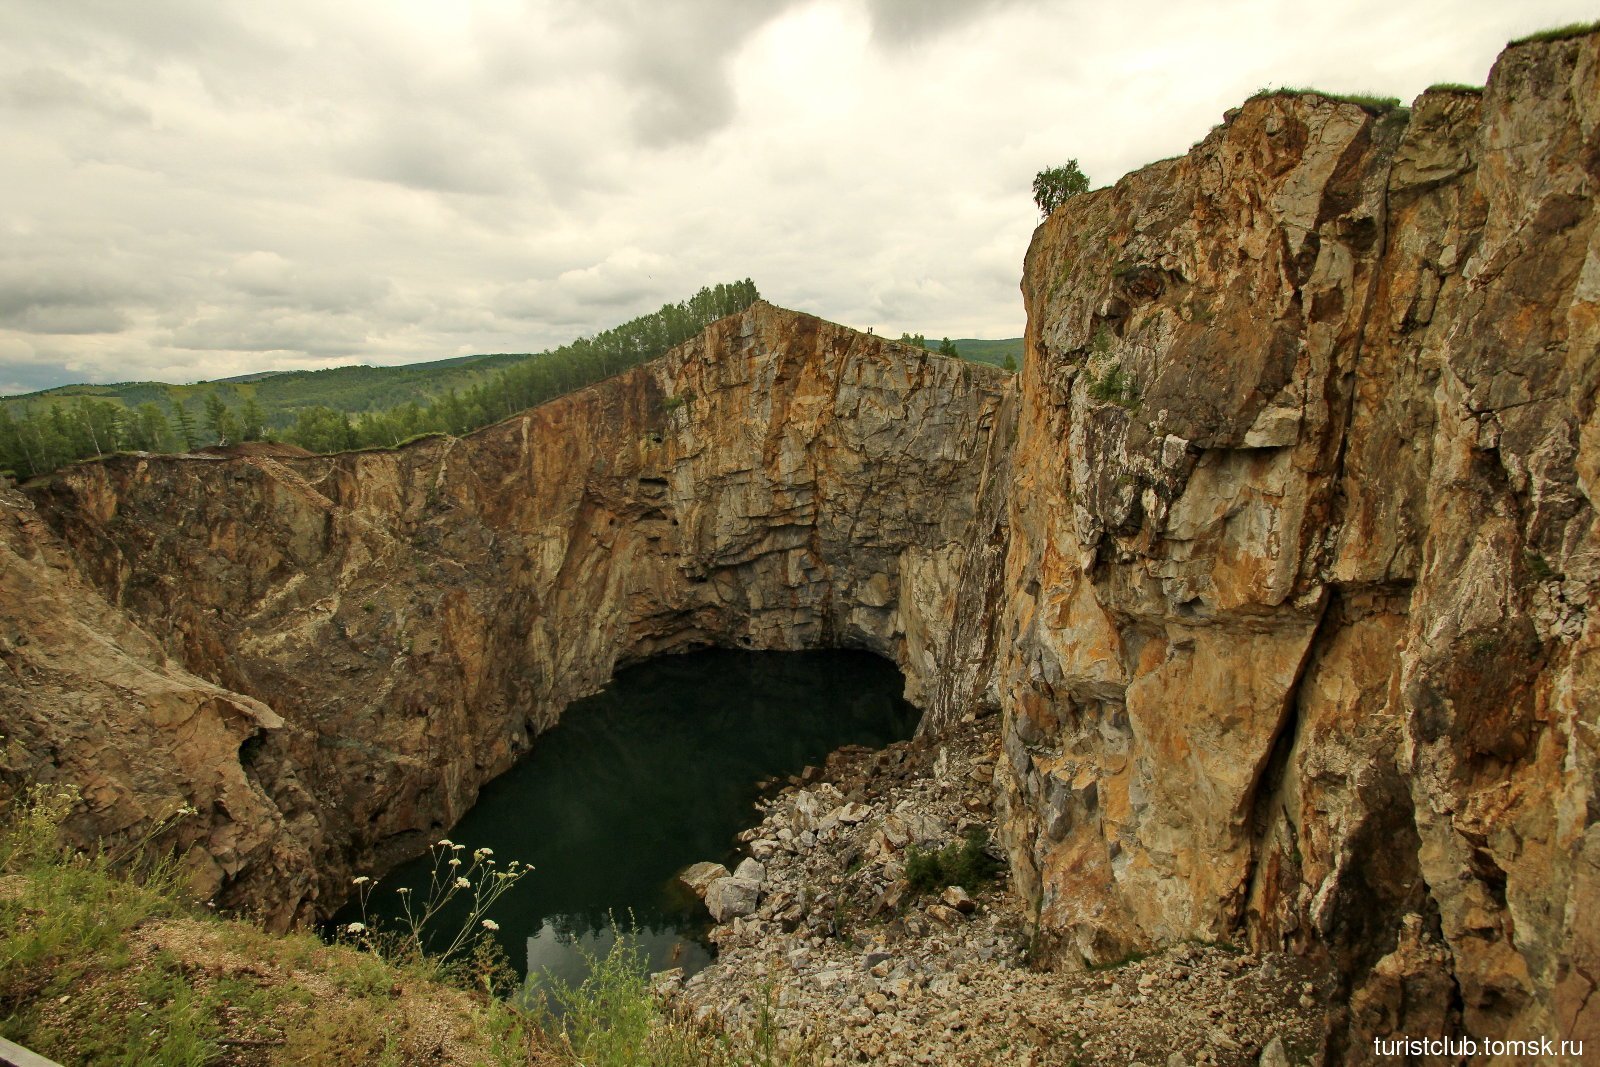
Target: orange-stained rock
<point>1302,547</point>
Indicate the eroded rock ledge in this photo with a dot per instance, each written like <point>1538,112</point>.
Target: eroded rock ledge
<point>1276,560</point>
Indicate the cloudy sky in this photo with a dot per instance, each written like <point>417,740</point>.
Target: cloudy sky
<point>197,188</point>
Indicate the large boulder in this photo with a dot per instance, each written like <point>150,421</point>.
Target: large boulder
<point>752,870</point>
<point>731,897</point>
<point>699,876</point>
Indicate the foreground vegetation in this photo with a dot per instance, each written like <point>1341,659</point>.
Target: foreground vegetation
<point>103,961</point>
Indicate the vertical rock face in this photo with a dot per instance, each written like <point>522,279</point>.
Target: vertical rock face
<point>1276,560</point>
<point>351,645</point>
<point>1302,546</point>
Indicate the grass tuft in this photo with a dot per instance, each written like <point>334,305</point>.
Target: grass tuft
<point>1369,101</point>
<point>1559,33</point>
<point>1456,87</point>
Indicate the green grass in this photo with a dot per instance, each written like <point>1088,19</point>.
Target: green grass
<point>103,961</point>
<point>1560,33</point>
<point>1369,101</point>
<point>1456,87</point>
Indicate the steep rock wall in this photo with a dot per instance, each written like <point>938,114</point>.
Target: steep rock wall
<point>357,642</point>
<point>1296,636</point>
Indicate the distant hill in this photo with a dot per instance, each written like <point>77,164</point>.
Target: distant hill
<point>340,408</point>
<point>280,394</point>
<point>360,406</point>
<point>981,351</point>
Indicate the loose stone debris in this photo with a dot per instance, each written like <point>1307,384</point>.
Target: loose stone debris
<point>819,927</point>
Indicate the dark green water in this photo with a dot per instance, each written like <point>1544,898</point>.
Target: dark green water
<point>654,773</point>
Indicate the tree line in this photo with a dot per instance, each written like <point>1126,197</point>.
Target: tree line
<point>42,437</point>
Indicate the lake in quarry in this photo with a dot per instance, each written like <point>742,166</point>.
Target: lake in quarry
<point>654,773</point>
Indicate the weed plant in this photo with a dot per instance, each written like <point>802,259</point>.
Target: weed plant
<point>613,1019</point>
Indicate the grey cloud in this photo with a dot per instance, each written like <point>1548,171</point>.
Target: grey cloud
<point>434,157</point>
<point>19,379</point>
<point>218,35</point>
<point>674,57</point>
<point>43,89</point>
<point>274,281</point>
<point>628,282</point>
<point>44,292</point>
<point>233,330</point>
<point>908,22</point>
<point>70,320</point>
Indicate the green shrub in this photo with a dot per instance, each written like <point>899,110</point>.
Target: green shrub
<point>1054,186</point>
<point>1115,386</point>
<point>87,974</point>
<point>967,865</point>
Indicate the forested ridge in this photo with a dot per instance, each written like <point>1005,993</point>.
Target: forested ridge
<point>344,408</point>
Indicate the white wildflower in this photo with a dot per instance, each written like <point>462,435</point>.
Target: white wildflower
<point>458,848</point>
<point>403,890</point>
<point>363,880</point>
<point>455,863</point>
<point>491,925</point>
<point>356,928</point>
<point>462,883</point>
<point>482,852</point>
<point>445,842</point>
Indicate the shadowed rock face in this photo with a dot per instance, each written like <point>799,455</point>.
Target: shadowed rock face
<point>1276,561</point>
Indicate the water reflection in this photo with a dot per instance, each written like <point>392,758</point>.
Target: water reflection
<point>657,772</point>
<point>563,954</point>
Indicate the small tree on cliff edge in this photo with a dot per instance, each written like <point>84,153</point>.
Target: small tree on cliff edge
<point>1056,185</point>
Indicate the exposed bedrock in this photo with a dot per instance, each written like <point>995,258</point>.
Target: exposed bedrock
<point>1275,559</point>
<point>1295,623</point>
